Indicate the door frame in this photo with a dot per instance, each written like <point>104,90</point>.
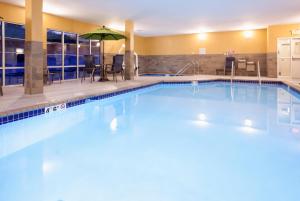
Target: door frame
<point>290,58</point>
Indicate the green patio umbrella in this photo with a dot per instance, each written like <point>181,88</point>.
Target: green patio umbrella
<point>103,34</point>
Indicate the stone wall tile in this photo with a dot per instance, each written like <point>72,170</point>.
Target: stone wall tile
<point>171,64</point>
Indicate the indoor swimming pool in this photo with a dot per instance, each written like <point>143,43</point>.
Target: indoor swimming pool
<point>213,141</point>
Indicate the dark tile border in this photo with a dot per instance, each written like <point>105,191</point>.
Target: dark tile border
<point>250,81</point>
<point>108,95</point>
<point>23,115</point>
<point>31,113</point>
<point>293,89</point>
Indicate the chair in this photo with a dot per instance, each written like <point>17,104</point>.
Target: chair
<point>251,66</point>
<point>50,75</point>
<point>241,63</point>
<point>89,67</point>
<point>1,91</point>
<point>228,64</point>
<point>116,67</point>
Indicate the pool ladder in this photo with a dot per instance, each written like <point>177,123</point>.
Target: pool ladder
<point>258,72</point>
<point>232,72</point>
<point>193,64</point>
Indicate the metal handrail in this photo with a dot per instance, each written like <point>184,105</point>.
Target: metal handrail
<point>258,72</point>
<point>194,64</point>
<point>232,71</point>
<point>183,69</point>
<point>136,63</point>
<point>197,65</point>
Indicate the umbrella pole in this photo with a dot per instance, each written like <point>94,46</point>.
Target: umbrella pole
<point>103,78</point>
<point>103,62</point>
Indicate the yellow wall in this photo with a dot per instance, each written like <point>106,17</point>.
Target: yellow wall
<point>139,43</point>
<point>12,13</point>
<point>277,31</point>
<point>215,43</point>
<point>16,14</point>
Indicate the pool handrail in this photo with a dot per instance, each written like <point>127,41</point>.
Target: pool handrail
<point>194,64</point>
<point>232,71</point>
<point>258,72</point>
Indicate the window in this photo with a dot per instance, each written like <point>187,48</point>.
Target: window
<point>83,49</point>
<point>62,50</point>
<point>1,75</point>
<point>1,54</point>
<point>95,50</point>
<point>54,51</point>
<point>65,53</point>
<point>14,53</point>
<point>1,45</point>
<point>70,56</point>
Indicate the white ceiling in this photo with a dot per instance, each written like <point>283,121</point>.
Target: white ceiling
<point>163,17</point>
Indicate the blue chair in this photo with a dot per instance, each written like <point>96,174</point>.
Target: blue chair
<point>1,83</point>
<point>116,67</point>
<point>89,68</point>
<point>52,74</point>
<point>228,64</point>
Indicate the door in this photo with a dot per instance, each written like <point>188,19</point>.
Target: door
<point>295,50</point>
<point>284,57</point>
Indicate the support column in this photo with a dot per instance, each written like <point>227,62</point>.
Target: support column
<point>34,47</point>
<point>129,50</point>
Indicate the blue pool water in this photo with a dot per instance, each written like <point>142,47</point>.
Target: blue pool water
<point>210,142</point>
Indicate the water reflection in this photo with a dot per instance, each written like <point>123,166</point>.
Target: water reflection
<point>114,124</point>
<point>253,107</point>
<point>288,108</point>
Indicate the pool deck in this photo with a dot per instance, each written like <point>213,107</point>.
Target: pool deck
<point>14,100</point>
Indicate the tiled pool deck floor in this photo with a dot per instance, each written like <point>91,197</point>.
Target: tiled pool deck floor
<point>15,101</point>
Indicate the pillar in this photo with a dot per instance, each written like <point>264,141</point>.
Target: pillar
<point>33,47</point>
<point>129,50</point>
